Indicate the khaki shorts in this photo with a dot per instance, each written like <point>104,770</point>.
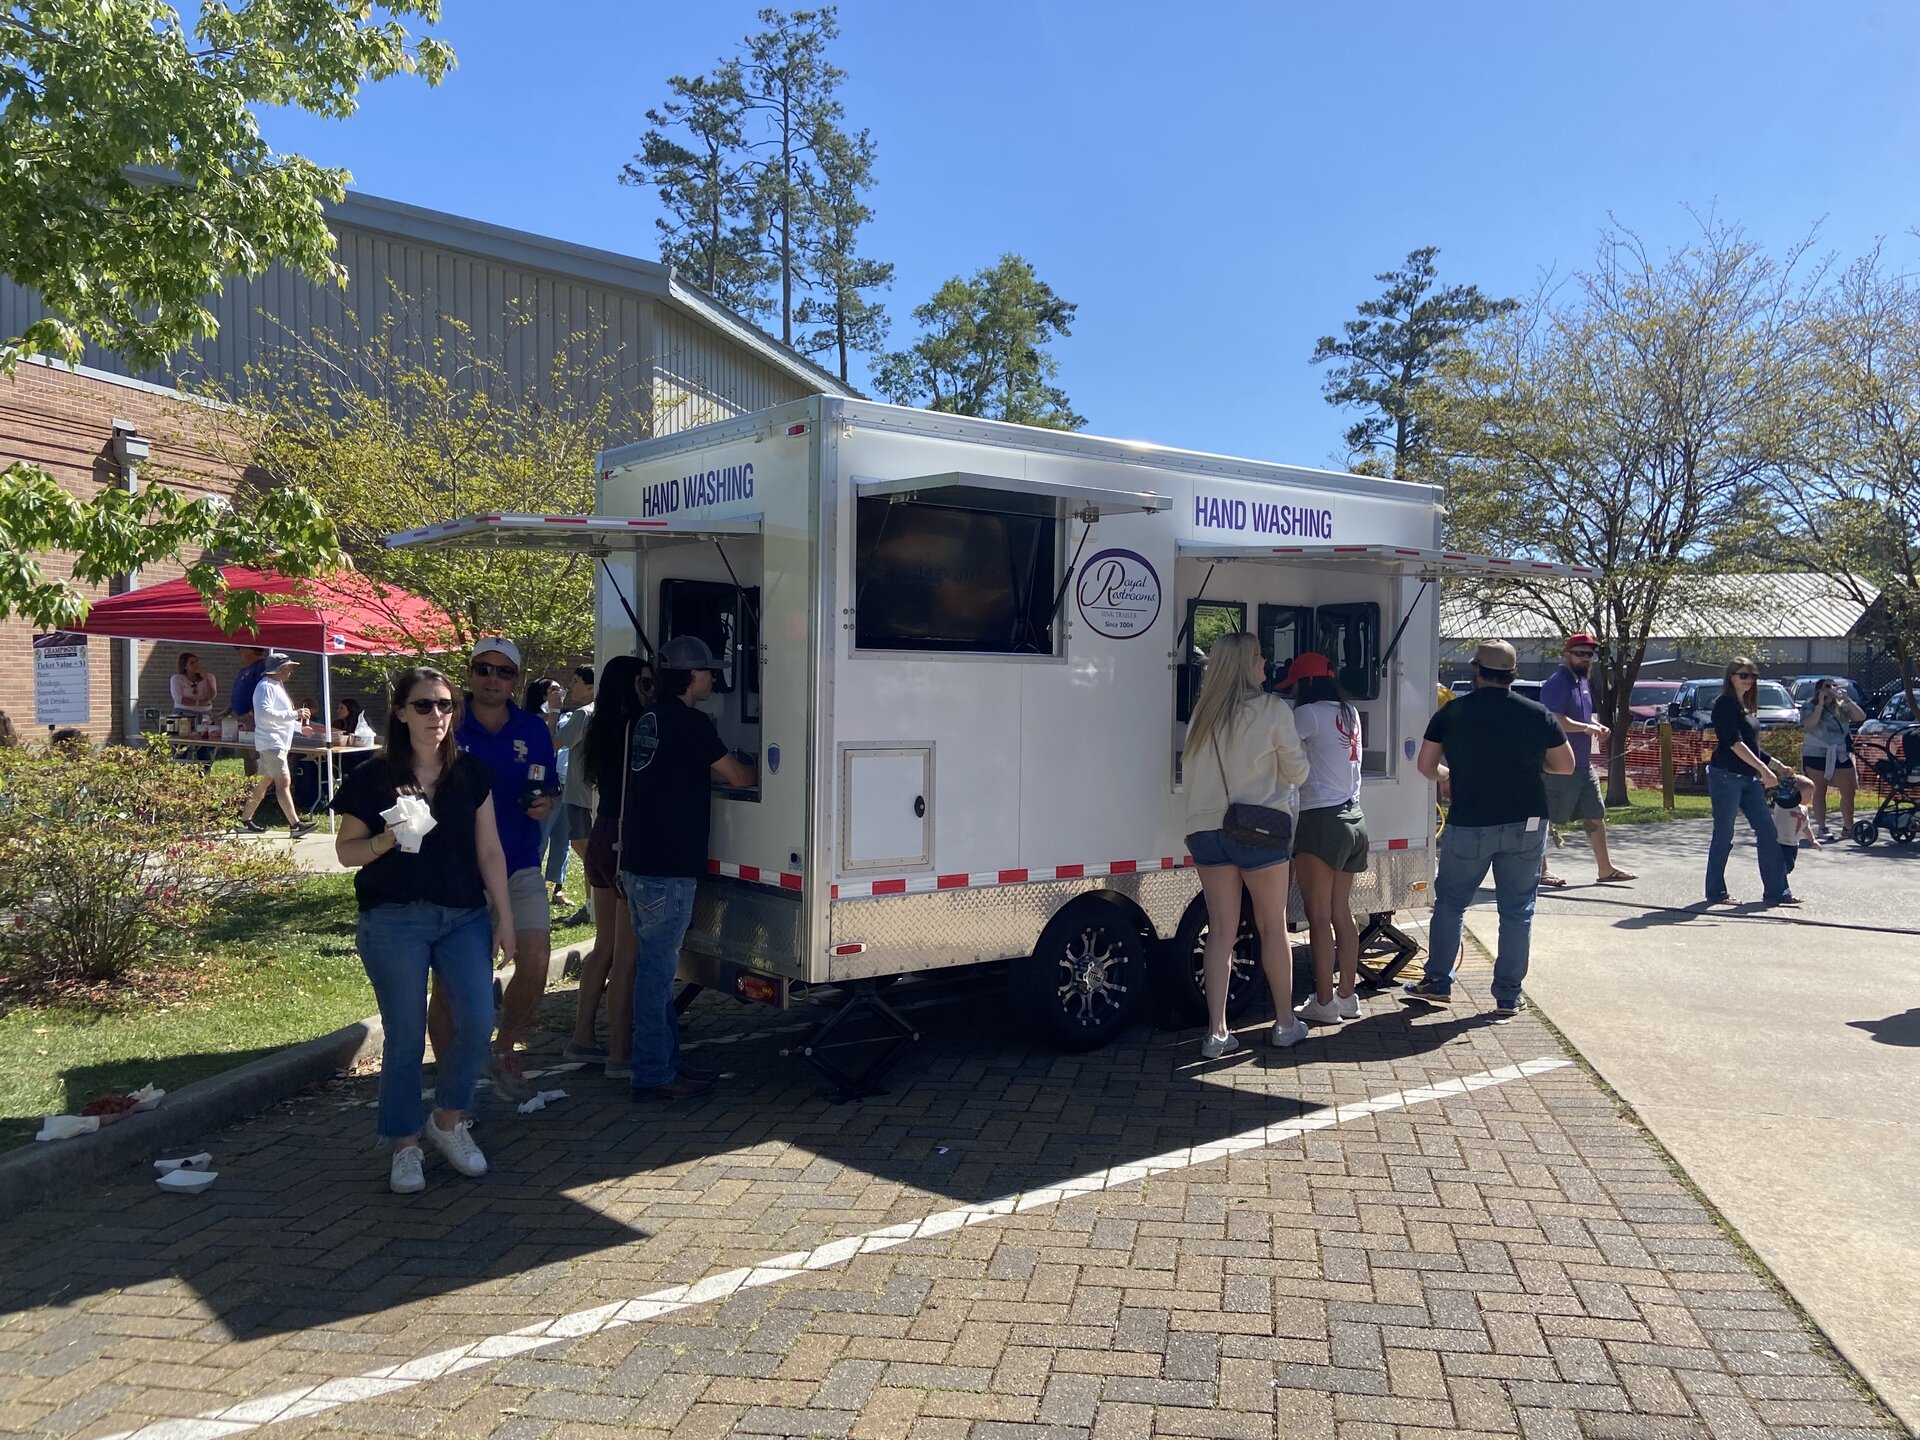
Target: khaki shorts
<point>1574,797</point>
<point>1335,835</point>
<point>527,894</point>
<point>273,764</point>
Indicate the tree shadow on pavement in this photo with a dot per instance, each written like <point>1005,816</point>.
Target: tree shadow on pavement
<point>300,1232</point>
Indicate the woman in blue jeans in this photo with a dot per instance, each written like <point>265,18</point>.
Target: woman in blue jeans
<point>1738,775</point>
<point>424,901</point>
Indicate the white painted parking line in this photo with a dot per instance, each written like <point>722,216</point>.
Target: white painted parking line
<point>317,1399</point>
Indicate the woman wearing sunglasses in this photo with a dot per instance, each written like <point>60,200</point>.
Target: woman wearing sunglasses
<point>425,893</point>
<point>1738,776</point>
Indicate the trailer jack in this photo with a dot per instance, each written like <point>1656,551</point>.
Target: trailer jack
<point>864,1024</point>
<point>1381,933</point>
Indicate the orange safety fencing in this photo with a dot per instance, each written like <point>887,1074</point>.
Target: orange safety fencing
<point>1692,748</point>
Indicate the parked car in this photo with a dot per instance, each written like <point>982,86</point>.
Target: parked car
<point>1896,714</point>
<point>1801,688</point>
<point>1650,699</point>
<point>1692,707</point>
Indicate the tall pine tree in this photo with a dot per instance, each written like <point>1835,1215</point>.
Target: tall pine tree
<point>847,319</point>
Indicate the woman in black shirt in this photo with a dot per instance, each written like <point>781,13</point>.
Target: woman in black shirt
<point>1738,775</point>
<point>625,691</point>
<point>424,900</point>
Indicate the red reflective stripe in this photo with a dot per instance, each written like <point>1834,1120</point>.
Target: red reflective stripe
<point>1123,867</point>
<point>1350,549</point>
<point>749,872</point>
<point>790,882</point>
<point>713,868</point>
<point>649,524</point>
<point>1013,877</point>
<point>889,887</point>
<point>1397,844</point>
<point>833,892</point>
<point>1070,872</point>
<point>563,519</point>
<point>950,882</point>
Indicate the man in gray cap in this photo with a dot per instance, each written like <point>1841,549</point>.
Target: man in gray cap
<point>275,722</point>
<point>675,757</point>
<point>1492,750</point>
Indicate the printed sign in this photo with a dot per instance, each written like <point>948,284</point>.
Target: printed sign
<point>1119,594</point>
<point>60,689</point>
<point>697,491</point>
<point>1284,518</point>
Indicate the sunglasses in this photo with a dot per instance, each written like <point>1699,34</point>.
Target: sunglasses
<point>427,707</point>
<point>1580,654</point>
<point>1746,674</point>
<point>483,670</point>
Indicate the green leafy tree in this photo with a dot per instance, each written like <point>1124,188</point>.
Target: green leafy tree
<point>133,178</point>
<point>695,159</point>
<point>1854,487</point>
<point>846,318</point>
<point>390,432</point>
<point>789,88</point>
<point>1382,358</point>
<point>982,350</point>
<point>1630,422</point>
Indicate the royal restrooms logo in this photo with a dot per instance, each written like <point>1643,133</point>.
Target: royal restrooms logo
<point>1119,594</point>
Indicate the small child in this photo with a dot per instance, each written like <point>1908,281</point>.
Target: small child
<point>1793,817</point>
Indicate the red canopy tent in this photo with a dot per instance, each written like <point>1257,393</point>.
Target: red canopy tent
<point>341,614</point>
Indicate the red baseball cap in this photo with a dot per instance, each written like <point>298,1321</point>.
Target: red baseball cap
<point>1581,638</point>
<point>1310,666</point>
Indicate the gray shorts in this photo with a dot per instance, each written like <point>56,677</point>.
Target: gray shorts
<point>1574,797</point>
<point>579,822</point>
<point>527,894</point>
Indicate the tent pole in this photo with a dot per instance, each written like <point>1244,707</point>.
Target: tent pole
<point>326,715</point>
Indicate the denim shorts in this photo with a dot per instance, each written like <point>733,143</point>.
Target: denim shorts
<point>1215,847</point>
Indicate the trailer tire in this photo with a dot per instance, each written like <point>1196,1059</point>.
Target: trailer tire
<point>1087,972</point>
<point>1176,970</point>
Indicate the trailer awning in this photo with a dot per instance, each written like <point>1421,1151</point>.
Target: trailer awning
<point>592,534</point>
<point>1097,499</point>
<point>1391,559</point>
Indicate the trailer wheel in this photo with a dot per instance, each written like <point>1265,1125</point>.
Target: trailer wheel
<point>1085,974</point>
<point>1178,973</point>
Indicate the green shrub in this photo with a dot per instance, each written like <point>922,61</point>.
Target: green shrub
<point>110,857</point>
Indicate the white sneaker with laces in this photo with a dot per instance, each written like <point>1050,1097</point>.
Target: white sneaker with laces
<point>1347,1005</point>
<point>1214,1046</point>
<point>1285,1035</point>
<point>1314,1013</point>
<point>457,1146</point>
<point>406,1177</point>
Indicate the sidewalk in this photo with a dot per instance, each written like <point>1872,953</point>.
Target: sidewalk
<point>1420,1223</point>
<point>1772,1053</point>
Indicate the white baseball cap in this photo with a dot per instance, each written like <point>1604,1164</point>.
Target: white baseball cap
<point>498,647</point>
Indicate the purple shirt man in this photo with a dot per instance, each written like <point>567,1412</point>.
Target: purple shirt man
<point>1570,696</point>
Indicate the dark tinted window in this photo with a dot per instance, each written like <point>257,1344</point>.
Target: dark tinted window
<point>954,576</point>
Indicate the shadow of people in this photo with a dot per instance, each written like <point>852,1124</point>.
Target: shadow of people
<point>1901,1029</point>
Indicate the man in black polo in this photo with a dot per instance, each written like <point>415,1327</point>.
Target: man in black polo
<point>1492,750</point>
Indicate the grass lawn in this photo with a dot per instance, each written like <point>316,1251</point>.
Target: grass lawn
<point>255,984</point>
<point>1644,807</point>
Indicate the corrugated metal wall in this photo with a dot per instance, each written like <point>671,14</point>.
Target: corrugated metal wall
<point>516,313</point>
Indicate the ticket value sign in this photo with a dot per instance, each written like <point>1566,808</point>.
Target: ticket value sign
<point>61,693</point>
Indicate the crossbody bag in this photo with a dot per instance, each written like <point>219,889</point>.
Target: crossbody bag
<point>1260,826</point>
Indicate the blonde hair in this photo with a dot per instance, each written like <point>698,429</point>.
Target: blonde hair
<point>1224,691</point>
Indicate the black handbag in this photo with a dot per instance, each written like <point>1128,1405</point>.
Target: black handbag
<point>1260,826</point>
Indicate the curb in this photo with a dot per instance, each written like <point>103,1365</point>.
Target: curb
<point>37,1172</point>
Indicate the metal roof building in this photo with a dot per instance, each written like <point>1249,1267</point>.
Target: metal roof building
<point>682,358</point>
<point>1797,620</point>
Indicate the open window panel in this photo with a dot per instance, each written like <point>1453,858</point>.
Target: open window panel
<point>727,617</point>
<point>587,534</point>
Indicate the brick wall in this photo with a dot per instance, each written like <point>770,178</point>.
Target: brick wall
<point>62,421</point>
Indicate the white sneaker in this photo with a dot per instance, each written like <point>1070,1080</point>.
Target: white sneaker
<point>617,1071</point>
<point>1214,1046</point>
<point>1348,1005</point>
<point>1314,1013</point>
<point>1285,1035</point>
<point>457,1146</point>
<point>406,1178</point>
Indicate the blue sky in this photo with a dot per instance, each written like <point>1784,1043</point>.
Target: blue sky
<point>1213,184</point>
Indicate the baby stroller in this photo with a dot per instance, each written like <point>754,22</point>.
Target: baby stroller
<point>1899,811</point>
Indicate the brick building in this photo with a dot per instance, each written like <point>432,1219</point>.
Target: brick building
<point>62,420</point>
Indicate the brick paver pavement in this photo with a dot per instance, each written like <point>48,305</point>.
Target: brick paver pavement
<point>1510,1260</point>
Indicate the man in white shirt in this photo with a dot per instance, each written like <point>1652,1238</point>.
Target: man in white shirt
<point>275,722</point>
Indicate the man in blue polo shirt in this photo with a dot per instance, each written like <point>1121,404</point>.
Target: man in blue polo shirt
<point>1568,695</point>
<point>518,748</point>
<point>240,698</point>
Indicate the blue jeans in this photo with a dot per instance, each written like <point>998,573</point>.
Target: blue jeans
<point>399,945</point>
<point>1513,852</point>
<point>1734,794</point>
<point>662,908</point>
<point>555,844</point>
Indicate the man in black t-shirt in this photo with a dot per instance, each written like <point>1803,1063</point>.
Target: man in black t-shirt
<point>675,757</point>
<point>1491,749</point>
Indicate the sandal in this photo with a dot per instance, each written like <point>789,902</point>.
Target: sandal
<point>1615,876</point>
<point>1552,882</point>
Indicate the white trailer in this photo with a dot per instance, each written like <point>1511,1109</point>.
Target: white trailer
<point>962,652</point>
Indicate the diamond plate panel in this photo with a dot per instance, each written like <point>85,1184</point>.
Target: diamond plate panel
<point>751,925</point>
